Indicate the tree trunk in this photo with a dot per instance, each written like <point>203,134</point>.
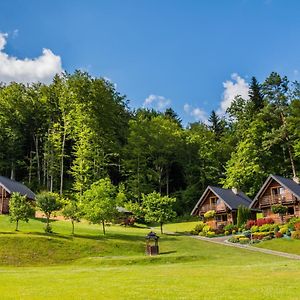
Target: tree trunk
<point>62,162</point>
<point>17,225</point>
<point>30,167</point>
<point>161,228</point>
<point>138,177</point>
<point>103,227</point>
<point>51,183</point>
<point>36,142</point>
<point>12,171</point>
<point>72,227</point>
<point>167,179</point>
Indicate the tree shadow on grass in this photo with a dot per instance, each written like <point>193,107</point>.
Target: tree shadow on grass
<point>44,220</point>
<point>167,252</point>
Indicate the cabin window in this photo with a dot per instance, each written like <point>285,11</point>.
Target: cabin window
<point>278,191</point>
<point>221,218</point>
<point>218,201</point>
<point>291,210</point>
<point>213,200</point>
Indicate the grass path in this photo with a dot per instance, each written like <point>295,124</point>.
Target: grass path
<point>223,241</point>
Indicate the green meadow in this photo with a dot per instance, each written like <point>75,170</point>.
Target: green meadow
<point>34,265</point>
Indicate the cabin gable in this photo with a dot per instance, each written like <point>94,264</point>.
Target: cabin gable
<point>274,192</point>
<point>211,201</point>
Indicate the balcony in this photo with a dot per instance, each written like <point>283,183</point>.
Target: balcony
<point>217,207</point>
<point>278,199</point>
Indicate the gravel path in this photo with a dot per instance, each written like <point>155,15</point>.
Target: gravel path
<point>224,241</point>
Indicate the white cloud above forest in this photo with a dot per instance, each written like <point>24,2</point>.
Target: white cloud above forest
<point>157,102</point>
<point>237,86</point>
<point>28,70</point>
<point>197,113</point>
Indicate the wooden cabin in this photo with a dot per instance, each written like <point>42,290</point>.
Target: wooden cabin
<point>278,190</point>
<point>7,187</point>
<point>224,202</point>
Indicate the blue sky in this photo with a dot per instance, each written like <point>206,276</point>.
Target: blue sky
<point>190,55</point>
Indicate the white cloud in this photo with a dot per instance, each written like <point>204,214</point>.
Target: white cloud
<point>41,68</point>
<point>196,112</point>
<point>157,102</point>
<point>232,88</point>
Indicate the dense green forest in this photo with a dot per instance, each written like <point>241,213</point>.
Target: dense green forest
<point>64,136</point>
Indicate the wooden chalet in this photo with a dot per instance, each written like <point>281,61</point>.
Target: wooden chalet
<point>224,202</point>
<point>7,187</point>
<point>278,190</point>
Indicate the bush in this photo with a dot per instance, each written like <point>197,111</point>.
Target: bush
<point>227,232</point>
<point>206,229</point>
<point>297,226</point>
<point>249,224</point>
<point>247,233</point>
<point>201,234</point>
<point>233,232</point>
<point>230,227</point>
<point>279,209</point>
<point>210,214</point>
<point>296,235</point>
<point>265,227</point>
<point>198,228</point>
<point>259,235</point>
<point>244,240</point>
<point>263,221</point>
<point>254,228</point>
<point>283,230</point>
<point>278,235</point>
<point>233,239</point>
<point>210,234</point>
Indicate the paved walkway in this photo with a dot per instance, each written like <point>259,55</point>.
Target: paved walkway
<point>223,241</point>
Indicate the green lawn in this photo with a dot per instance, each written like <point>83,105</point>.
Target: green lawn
<point>90,266</point>
<point>284,245</point>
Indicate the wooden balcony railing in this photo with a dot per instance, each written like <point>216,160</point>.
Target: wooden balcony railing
<point>270,200</point>
<point>219,207</point>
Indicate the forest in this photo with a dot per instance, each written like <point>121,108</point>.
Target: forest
<point>65,136</point>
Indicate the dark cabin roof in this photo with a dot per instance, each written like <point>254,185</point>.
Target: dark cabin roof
<point>12,186</point>
<point>232,200</point>
<point>289,184</point>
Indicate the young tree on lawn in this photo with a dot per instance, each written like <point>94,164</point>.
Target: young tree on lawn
<point>99,202</point>
<point>48,203</point>
<point>72,212</point>
<point>20,209</point>
<point>158,208</point>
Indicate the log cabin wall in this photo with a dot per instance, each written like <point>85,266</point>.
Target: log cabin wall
<point>211,202</point>
<point>4,201</point>
<point>275,193</point>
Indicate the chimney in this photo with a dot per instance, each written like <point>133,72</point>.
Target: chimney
<point>296,179</point>
<point>235,190</point>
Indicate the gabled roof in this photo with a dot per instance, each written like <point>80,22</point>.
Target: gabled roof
<point>12,186</point>
<point>287,183</point>
<point>232,200</point>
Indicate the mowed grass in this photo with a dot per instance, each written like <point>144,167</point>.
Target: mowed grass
<point>186,269</point>
<point>283,245</point>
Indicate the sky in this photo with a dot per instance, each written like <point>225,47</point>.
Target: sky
<point>191,55</point>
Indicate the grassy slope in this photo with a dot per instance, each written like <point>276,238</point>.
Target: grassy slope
<point>186,269</point>
<point>284,245</point>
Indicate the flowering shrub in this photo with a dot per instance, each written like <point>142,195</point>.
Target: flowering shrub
<point>250,223</point>
<point>259,235</point>
<point>297,226</point>
<point>263,221</point>
<point>210,214</point>
<point>296,235</point>
<point>278,234</point>
<point>244,240</point>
